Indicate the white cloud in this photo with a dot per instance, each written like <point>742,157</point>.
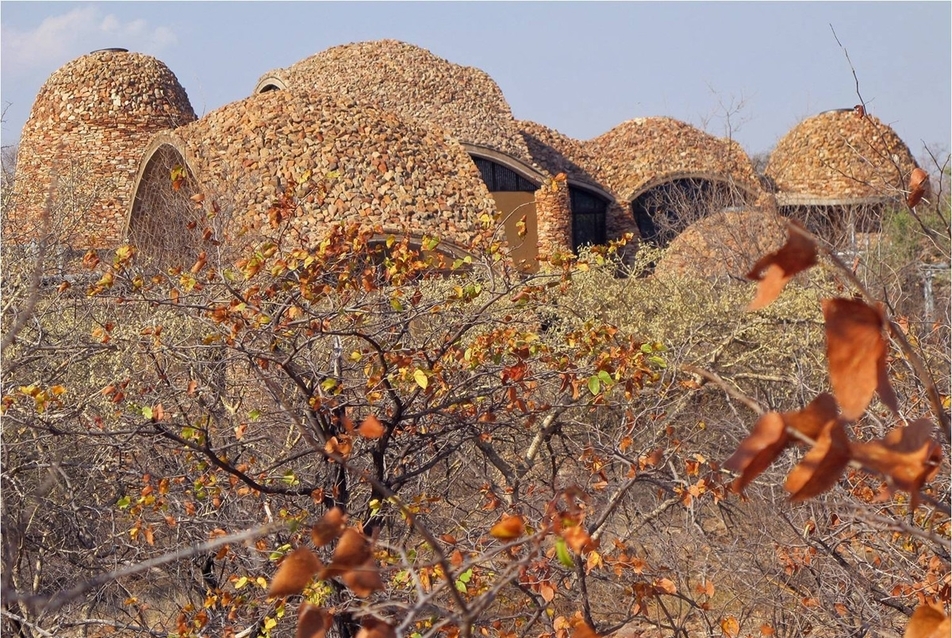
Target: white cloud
<point>61,38</point>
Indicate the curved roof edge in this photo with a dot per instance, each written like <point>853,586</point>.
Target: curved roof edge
<point>160,139</point>
<point>711,177</point>
<point>270,80</point>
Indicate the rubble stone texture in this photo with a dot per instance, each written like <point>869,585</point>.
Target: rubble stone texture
<point>347,163</point>
<point>413,83</point>
<point>641,153</point>
<point>839,155</point>
<point>723,245</point>
<point>82,143</point>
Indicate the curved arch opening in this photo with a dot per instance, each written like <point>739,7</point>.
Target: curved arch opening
<point>164,224</point>
<point>666,209</point>
<point>589,213</point>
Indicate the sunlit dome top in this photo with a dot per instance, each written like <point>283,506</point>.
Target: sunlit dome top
<point>414,83</point>
<point>641,153</point>
<point>347,162</point>
<point>840,156</point>
<point>88,127</point>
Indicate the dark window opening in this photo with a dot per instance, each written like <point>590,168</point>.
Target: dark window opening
<point>664,211</point>
<point>499,178</point>
<point>588,218</point>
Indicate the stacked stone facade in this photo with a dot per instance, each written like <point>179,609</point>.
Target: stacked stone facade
<point>80,149</point>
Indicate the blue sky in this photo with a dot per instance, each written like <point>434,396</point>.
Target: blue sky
<point>581,68</point>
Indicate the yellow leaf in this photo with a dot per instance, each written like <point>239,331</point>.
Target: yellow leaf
<point>270,623</point>
<point>420,377</point>
<point>241,582</point>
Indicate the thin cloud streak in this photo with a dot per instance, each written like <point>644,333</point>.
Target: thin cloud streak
<point>61,38</point>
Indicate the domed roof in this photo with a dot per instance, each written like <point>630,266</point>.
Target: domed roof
<point>88,127</point>
<point>411,82</point>
<point>348,162</point>
<point>840,156</point>
<point>557,153</point>
<point>724,244</point>
<point>641,153</point>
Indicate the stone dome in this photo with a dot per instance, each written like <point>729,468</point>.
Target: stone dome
<point>82,143</point>
<point>840,156</point>
<point>347,162</point>
<point>413,83</point>
<point>641,153</point>
<point>724,244</point>
<point>557,153</point>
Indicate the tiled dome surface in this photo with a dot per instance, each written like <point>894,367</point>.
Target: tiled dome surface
<point>840,155</point>
<point>351,163</point>
<point>640,153</point>
<point>87,130</point>
<point>414,83</point>
<point>724,244</point>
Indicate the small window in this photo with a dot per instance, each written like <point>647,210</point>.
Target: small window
<point>500,179</point>
<point>588,218</point>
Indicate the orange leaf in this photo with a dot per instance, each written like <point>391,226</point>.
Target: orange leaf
<point>329,527</point>
<point>666,586</point>
<point>812,419</point>
<point>371,627</point>
<point>908,455</point>
<point>371,428</point>
<point>928,621</point>
<point>364,579</point>
<point>313,621</point>
<point>822,466</point>
<point>730,627</point>
<point>918,182</point>
<point>856,352</point>
<point>508,528</point>
<point>755,453</point>
<point>580,629</point>
<point>577,538</point>
<point>295,572</point>
<point>798,254</point>
<point>341,446</point>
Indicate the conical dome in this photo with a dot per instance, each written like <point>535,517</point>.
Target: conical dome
<point>81,146</point>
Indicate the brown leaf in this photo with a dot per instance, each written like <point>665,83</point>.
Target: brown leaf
<point>371,428</point>
<point>508,528</point>
<point>856,355</point>
<point>341,446</point>
<point>918,182</point>
<point>908,455</point>
<point>295,573</point>
<point>329,527</point>
<point>812,419</point>
<point>371,627</point>
<point>313,621</point>
<point>364,579</point>
<point>774,270</point>
<point>821,467</point>
<point>353,550</point>
<point>755,453</point>
<point>928,621</point>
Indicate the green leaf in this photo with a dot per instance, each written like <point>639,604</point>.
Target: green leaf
<point>328,384</point>
<point>594,386</point>
<point>395,304</point>
<point>466,576</point>
<point>658,361</point>
<point>147,412</point>
<point>255,414</point>
<point>646,348</point>
<point>562,553</point>
<point>605,377</point>
<point>123,502</point>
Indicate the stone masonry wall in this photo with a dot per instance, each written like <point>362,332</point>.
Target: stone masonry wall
<point>81,146</point>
